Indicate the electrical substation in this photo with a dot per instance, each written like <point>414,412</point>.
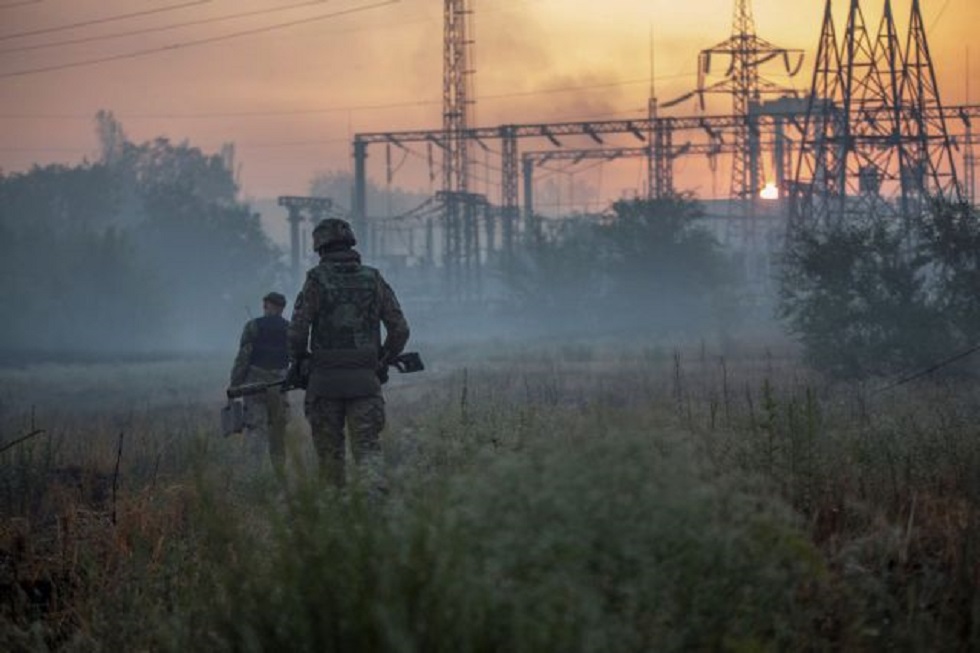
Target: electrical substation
<point>869,133</point>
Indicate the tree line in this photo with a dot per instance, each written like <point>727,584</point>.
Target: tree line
<point>646,265</point>
<point>145,250</point>
<point>149,250</point>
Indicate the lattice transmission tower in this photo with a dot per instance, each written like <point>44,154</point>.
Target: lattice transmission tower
<point>459,227</point>
<point>875,142</point>
<point>746,54</point>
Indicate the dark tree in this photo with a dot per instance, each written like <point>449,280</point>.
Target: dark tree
<point>647,265</point>
<point>69,281</point>
<point>875,297</point>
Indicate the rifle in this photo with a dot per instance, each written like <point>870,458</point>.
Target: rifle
<point>405,363</point>
<point>233,415</point>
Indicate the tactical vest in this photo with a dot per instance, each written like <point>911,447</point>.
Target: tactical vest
<point>347,329</point>
<point>269,349</point>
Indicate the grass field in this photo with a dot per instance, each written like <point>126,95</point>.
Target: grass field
<point>575,497</point>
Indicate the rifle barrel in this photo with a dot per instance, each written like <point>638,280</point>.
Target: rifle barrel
<point>251,389</point>
<point>406,363</point>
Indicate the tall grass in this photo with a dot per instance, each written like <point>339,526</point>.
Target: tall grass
<point>581,498</point>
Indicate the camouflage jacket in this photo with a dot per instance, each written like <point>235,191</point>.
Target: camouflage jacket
<point>337,316</point>
<point>239,371</point>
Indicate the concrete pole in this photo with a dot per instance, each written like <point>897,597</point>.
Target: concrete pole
<point>359,199</point>
<point>529,220</point>
<point>295,218</point>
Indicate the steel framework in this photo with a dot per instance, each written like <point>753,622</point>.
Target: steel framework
<point>713,127</point>
<point>457,73</point>
<point>312,209</point>
<point>747,53</point>
<point>875,141</point>
<point>536,158</point>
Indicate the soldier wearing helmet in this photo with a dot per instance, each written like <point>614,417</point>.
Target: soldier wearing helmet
<point>263,356</point>
<point>336,324</point>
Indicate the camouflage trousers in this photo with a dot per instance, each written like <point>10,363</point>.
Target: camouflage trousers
<point>266,416</point>
<point>364,418</point>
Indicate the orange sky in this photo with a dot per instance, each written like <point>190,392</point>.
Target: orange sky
<point>302,80</point>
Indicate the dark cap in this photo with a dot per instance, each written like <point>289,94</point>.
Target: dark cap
<point>275,299</point>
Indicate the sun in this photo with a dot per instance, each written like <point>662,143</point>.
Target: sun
<point>770,192</point>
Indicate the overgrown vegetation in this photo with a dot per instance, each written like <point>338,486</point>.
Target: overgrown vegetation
<point>877,296</point>
<point>146,250</point>
<point>581,498</point>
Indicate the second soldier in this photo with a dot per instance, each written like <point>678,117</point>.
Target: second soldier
<point>263,357</point>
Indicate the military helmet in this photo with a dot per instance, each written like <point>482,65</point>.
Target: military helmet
<point>333,232</point>
<point>276,299</point>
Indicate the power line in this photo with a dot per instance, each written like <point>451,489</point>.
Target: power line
<point>203,41</point>
<point>215,19</point>
<point>77,150</point>
<point>603,114</point>
<point>599,85</point>
<point>314,142</point>
<point>162,28</point>
<point>11,5</point>
<point>306,143</point>
<point>266,114</point>
<point>101,21</point>
<point>242,145</point>
<point>929,370</point>
<point>939,15</point>
<point>363,107</point>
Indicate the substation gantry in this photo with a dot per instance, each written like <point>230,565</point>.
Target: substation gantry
<point>300,209</point>
<point>784,130</point>
<point>533,159</point>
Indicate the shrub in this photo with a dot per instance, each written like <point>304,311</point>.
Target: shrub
<point>612,544</point>
<point>874,297</point>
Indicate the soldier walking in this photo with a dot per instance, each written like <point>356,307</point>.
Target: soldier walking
<point>263,356</point>
<point>337,326</point>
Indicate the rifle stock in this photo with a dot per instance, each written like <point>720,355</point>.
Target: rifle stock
<point>408,363</point>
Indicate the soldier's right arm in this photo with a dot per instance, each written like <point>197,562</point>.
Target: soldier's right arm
<point>304,311</point>
<point>239,371</point>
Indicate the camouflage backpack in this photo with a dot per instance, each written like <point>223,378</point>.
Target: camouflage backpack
<point>347,330</point>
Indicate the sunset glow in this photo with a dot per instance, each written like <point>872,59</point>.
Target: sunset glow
<point>291,99</point>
